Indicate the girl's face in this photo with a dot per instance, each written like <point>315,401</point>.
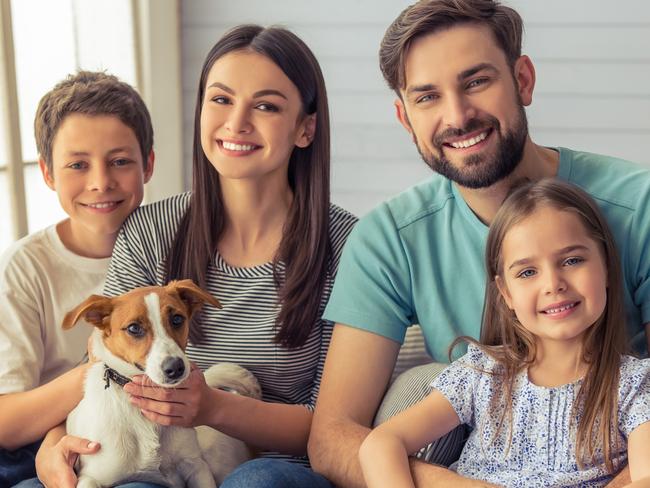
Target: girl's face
<point>553,275</point>
<point>251,117</point>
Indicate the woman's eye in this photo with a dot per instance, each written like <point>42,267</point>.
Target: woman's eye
<point>267,107</point>
<point>135,330</point>
<point>177,320</point>
<point>221,100</point>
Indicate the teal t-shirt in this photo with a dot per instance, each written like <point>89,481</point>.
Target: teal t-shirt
<point>419,258</point>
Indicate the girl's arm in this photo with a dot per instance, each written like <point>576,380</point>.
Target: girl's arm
<point>27,416</point>
<point>638,453</point>
<point>274,426</point>
<point>384,453</point>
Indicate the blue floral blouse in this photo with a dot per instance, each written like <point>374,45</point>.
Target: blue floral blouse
<point>541,451</point>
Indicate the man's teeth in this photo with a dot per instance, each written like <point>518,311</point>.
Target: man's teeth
<point>237,147</point>
<point>101,205</point>
<point>561,309</point>
<point>469,142</point>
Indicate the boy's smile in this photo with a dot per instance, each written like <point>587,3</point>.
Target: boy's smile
<point>98,174</point>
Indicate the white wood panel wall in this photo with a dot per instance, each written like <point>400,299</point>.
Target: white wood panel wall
<point>593,80</point>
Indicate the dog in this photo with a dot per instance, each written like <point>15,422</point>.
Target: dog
<point>145,331</point>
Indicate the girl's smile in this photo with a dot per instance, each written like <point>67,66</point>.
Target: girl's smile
<point>554,276</point>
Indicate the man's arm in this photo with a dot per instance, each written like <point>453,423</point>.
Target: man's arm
<point>358,367</point>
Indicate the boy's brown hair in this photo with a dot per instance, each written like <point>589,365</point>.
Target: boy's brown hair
<point>428,16</point>
<point>93,94</point>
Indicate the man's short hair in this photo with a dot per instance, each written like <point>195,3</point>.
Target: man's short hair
<point>93,94</point>
<point>428,16</point>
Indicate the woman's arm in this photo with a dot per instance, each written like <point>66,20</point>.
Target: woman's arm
<point>27,416</point>
<point>384,453</point>
<point>274,426</point>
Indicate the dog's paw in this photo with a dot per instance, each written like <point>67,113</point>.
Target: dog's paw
<point>233,377</point>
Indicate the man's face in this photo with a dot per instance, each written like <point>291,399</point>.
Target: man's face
<point>463,107</point>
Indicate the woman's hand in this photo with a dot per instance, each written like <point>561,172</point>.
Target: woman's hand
<point>54,462</point>
<point>185,405</point>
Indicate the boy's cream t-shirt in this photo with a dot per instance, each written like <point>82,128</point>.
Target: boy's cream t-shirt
<point>41,281</point>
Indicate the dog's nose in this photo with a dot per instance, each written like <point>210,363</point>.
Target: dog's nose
<point>173,368</point>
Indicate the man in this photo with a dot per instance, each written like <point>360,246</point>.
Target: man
<point>462,85</point>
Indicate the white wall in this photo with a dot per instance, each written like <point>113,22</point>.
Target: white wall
<point>593,71</point>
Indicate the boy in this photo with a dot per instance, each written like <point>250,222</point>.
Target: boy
<point>94,139</point>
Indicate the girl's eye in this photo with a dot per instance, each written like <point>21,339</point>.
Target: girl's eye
<point>267,107</point>
<point>526,273</point>
<point>573,261</point>
<point>134,329</point>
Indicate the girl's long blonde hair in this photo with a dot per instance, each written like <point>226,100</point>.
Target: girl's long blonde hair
<point>513,347</point>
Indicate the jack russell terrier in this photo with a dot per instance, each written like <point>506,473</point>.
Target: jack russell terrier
<point>145,331</point>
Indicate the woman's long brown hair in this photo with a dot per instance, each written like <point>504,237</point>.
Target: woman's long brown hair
<point>305,244</point>
<point>513,347</point>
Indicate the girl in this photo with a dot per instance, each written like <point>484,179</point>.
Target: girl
<point>548,391</point>
<point>257,232</point>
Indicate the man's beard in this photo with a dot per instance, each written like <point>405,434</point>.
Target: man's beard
<point>477,171</point>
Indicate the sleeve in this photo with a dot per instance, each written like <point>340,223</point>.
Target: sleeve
<point>372,290</point>
<point>640,253</point>
<point>458,383</point>
<point>21,342</point>
<point>634,391</point>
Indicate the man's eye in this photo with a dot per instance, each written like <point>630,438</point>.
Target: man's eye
<point>427,98</point>
<point>177,320</point>
<point>477,82</point>
<point>135,330</point>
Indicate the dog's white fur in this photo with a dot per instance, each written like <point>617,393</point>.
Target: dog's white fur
<point>134,448</point>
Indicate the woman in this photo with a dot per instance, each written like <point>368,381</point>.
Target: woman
<point>257,232</point>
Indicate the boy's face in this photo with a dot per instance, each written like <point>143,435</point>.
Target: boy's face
<point>463,106</point>
<point>98,175</point>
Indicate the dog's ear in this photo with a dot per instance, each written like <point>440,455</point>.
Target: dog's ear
<point>95,309</point>
<point>192,295</point>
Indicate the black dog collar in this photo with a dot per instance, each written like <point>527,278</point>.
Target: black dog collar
<point>112,375</point>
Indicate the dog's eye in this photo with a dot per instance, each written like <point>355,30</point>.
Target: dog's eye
<point>177,320</point>
<point>135,330</point>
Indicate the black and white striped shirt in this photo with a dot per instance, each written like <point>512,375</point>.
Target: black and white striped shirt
<point>243,330</point>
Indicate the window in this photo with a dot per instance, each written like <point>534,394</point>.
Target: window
<point>53,38</point>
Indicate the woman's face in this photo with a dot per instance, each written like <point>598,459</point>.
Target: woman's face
<point>251,117</point>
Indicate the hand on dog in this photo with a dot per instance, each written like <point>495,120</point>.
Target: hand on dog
<point>182,405</point>
<point>54,463</point>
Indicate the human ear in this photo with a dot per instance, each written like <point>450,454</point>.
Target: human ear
<point>400,112</point>
<point>148,172</point>
<point>503,290</point>
<point>307,131</point>
<point>47,175</point>
<point>524,73</point>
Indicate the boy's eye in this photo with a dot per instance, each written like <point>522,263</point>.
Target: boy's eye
<point>76,165</point>
<point>121,162</point>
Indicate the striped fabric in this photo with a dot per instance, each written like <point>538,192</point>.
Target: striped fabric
<point>409,388</point>
<point>242,331</point>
